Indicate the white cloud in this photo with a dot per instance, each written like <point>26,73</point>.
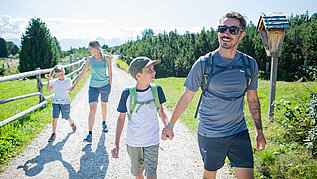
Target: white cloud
<point>75,21</point>
<point>12,27</point>
<point>82,29</point>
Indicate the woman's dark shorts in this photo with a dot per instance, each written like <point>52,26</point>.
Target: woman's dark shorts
<point>236,147</point>
<point>104,92</point>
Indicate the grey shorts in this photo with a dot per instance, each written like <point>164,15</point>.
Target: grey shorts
<point>63,108</point>
<point>104,92</point>
<point>144,158</point>
<point>236,147</point>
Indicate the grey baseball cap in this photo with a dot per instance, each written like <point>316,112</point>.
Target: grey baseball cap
<point>139,63</point>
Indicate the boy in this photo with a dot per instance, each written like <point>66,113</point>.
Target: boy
<point>143,127</point>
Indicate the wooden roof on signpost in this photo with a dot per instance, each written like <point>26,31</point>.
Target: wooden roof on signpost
<point>271,27</point>
<point>273,20</point>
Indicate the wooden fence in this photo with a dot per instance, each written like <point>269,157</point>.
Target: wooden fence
<point>42,99</point>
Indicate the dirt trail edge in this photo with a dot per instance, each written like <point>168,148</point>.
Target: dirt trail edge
<point>69,157</point>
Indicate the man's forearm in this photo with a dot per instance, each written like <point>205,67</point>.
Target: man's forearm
<point>181,105</point>
<point>255,111</point>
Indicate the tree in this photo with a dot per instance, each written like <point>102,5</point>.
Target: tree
<point>14,50</point>
<point>148,32</point>
<point>3,48</point>
<point>39,48</point>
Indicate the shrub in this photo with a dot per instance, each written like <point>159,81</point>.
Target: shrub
<point>123,65</point>
<point>300,122</point>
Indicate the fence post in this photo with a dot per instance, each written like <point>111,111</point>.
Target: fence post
<point>71,68</point>
<point>40,86</point>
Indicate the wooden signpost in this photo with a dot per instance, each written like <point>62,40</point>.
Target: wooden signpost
<point>271,27</point>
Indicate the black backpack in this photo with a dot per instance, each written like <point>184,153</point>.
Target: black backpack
<point>208,73</point>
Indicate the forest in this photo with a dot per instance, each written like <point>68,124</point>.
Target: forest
<point>179,52</point>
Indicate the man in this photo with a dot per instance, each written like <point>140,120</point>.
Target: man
<point>222,129</point>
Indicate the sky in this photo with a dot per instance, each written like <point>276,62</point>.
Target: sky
<point>76,22</point>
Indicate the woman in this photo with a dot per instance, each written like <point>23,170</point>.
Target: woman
<point>100,83</point>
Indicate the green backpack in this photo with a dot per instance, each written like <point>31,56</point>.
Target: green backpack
<point>133,100</point>
<point>208,73</point>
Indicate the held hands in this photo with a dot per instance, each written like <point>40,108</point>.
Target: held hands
<point>115,152</point>
<point>72,88</point>
<point>167,133</point>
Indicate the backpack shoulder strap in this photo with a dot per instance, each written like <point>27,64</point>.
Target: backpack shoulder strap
<point>247,67</point>
<point>207,71</point>
<point>206,75</point>
<point>156,97</point>
<point>133,97</point>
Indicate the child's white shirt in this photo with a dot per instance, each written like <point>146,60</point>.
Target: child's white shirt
<point>61,89</point>
<point>143,128</point>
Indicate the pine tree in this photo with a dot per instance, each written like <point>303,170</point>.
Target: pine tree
<point>3,48</point>
<point>39,48</point>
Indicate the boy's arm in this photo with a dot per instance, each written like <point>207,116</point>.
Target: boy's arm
<point>180,107</point>
<point>81,75</point>
<point>120,124</point>
<point>49,87</point>
<point>255,111</point>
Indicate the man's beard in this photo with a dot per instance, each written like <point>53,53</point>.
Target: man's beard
<point>228,46</point>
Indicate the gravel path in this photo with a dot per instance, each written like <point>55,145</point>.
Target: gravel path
<point>69,157</point>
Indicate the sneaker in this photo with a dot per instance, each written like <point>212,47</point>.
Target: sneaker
<point>73,127</point>
<point>104,128</point>
<point>88,138</point>
<point>52,138</point>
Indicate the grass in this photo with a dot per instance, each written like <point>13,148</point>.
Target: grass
<point>18,134</point>
<point>9,67</point>
<point>280,159</point>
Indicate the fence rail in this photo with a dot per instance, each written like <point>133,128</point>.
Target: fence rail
<point>42,99</point>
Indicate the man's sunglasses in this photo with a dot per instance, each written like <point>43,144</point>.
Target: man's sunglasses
<point>233,29</point>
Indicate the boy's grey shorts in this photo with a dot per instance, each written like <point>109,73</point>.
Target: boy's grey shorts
<point>63,108</point>
<point>144,158</point>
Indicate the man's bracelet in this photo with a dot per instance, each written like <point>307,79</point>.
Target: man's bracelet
<point>168,124</point>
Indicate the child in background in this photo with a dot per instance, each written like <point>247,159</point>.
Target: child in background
<point>143,125</point>
<point>61,100</point>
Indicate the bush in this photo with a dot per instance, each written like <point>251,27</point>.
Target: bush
<point>300,122</point>
<point>123,65</point>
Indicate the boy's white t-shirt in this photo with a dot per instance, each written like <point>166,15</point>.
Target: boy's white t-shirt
<point>61,89</point>
<point>143,128</point>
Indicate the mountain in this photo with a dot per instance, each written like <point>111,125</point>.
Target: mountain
<point>110,42</point>
<point>66,44</point>
<point>114,42</point>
